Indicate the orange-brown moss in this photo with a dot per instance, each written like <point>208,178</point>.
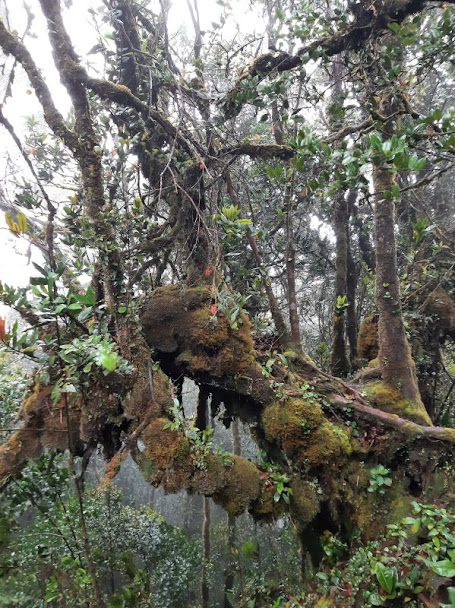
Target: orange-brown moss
<point>112,469</point>
<point>178,319</point>
<point>166,449</point>
<point>440,304</point>
<point>241,487</point>
<point>15,452</point>
<point>264,507</point>
<point>367,338</point>
<point>389,400</point>
<point>36,402</point>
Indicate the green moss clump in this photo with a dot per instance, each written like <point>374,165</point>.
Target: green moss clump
<point>241,487</point>
<point>389,399</point>
<point>288,423</point>
<point>304,501</point>
<point>180,321</point>
<point>329,443</point>
<point>211,478</point>
<point>299,427</point>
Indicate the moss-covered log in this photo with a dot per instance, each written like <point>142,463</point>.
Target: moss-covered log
<point>321,432</point>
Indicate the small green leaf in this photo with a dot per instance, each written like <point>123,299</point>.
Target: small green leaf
<point>387,577</point>
<point>22,222</point>
<point>75,306</point>
<point>444,568</point>
<point>108,361</point>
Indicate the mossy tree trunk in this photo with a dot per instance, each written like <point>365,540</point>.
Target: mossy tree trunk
<point>395,360</point>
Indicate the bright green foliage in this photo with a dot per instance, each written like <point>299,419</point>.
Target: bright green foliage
<point>416,556</point>
<point>379,479</point>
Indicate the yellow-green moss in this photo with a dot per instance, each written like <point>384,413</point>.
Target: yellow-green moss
<point>372,512</point>
<point>329,443</point>
<point>282,422</point>
<point>299,427</point>
<point>241,487</point>
<point>163,446</point>
<point>205,331</point>
<point>388,399</point>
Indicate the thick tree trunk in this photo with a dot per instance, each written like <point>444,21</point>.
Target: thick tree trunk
<point>395,360</point>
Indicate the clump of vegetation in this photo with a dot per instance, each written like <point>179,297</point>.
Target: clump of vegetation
<point>135,553</point>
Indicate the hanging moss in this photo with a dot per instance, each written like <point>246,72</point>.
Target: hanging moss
<point>241,487</point>
<point>389,400</point>
<point>37,400</point>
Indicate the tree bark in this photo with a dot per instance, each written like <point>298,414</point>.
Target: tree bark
<point>339,361</point>
<point>395,360</point>
<point>231,526</point>
<point>290,270</point>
